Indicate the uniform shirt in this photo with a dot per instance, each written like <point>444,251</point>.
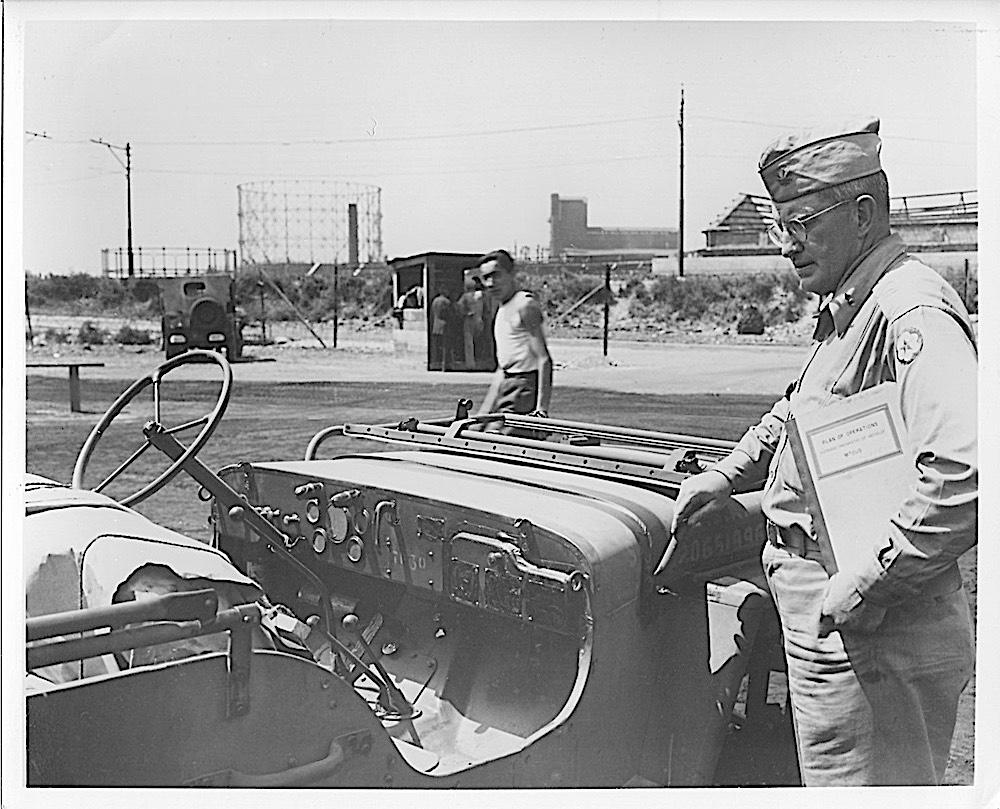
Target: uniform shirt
<point>512,328</point>
<point>891,319</point>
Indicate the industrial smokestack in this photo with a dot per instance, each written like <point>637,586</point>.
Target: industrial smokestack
<point>352,234</point>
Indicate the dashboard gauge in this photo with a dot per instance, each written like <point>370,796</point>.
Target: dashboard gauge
<point>362,520</point>
<point>312,511</point>
<point>319,540</point>
<point>355,549</point>
<point>339,524</point>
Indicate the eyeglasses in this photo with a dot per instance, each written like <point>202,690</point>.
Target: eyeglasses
<point>796,228</point>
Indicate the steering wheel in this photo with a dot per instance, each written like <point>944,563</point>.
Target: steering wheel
<point>209,420</point>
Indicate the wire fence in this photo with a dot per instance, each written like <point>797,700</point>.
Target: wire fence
<point>150,262</point>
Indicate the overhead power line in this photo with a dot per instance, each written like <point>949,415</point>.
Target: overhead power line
<point>397,138</point>
<point>431,136</point>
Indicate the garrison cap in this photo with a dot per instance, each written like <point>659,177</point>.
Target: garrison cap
<point>798,164</point>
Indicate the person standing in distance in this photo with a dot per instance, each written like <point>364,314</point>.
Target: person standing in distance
<point>877,657</point>
<point>523,380</point>
<point>470,306</point>
<point>441,314</point>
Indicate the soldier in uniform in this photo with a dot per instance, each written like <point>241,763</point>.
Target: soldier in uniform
<point>877,657</point>
<point>441,315</point>
<point>523,380</point>
<point>471,308</point>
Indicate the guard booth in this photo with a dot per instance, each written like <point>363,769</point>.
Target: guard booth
<point>453,340</point>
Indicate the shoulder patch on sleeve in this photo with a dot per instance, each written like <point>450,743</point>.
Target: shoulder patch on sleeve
<point>909,344</point>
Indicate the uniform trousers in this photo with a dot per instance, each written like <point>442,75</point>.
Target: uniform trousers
<point>518,393</point>
<point>870,708</point>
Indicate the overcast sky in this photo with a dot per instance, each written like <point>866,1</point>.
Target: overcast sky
<point>466,126</point>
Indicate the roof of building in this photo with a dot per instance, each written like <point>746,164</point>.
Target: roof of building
<point>747,211</point>
<point>435,254</point>
<point>751,212</point>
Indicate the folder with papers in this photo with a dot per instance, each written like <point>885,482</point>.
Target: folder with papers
<point>856,471</point>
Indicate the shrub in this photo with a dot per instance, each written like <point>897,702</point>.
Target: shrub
<point>751,321</point>
<point>55,336</point>
<point>367,295</point>
<point>53,289</point>
<point>128,336</point>
<point>91,335</point>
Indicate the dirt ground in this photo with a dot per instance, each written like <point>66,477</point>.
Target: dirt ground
<point>281,399</point>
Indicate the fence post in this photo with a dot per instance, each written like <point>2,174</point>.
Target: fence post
<point>336,303</point>
<point>263,322</point>
<point>607,304</point>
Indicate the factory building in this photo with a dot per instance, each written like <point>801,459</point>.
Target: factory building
<point>572,236</point>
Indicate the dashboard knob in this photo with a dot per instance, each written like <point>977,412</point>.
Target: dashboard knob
<point>307,488</point>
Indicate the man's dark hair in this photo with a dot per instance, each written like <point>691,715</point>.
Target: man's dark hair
<point>501,257</point>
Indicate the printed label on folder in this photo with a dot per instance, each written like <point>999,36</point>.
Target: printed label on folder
<point>853,442</point>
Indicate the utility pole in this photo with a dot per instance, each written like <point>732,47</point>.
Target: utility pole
<point>127,165</point>
<point>680,228</point>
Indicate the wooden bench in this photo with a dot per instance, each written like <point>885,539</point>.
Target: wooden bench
<point>74,378</point>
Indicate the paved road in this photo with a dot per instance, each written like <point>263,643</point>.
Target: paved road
<point>630,366</point>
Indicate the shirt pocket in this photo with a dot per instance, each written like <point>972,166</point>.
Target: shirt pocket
<point>865,358</point>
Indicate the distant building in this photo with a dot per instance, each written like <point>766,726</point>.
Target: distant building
<point>741,228</point>
<point>944,222</point>
<point>571,236</point>
<point>941,229</point>
<point>947,222</point>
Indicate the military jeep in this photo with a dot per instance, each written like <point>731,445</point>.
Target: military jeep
<point>199,311</point>
<point>454,607</point>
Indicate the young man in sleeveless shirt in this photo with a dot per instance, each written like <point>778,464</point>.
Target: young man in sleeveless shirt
<point>523,380</point>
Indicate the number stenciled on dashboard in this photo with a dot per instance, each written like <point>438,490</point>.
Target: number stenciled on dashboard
<point>414,562</point>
